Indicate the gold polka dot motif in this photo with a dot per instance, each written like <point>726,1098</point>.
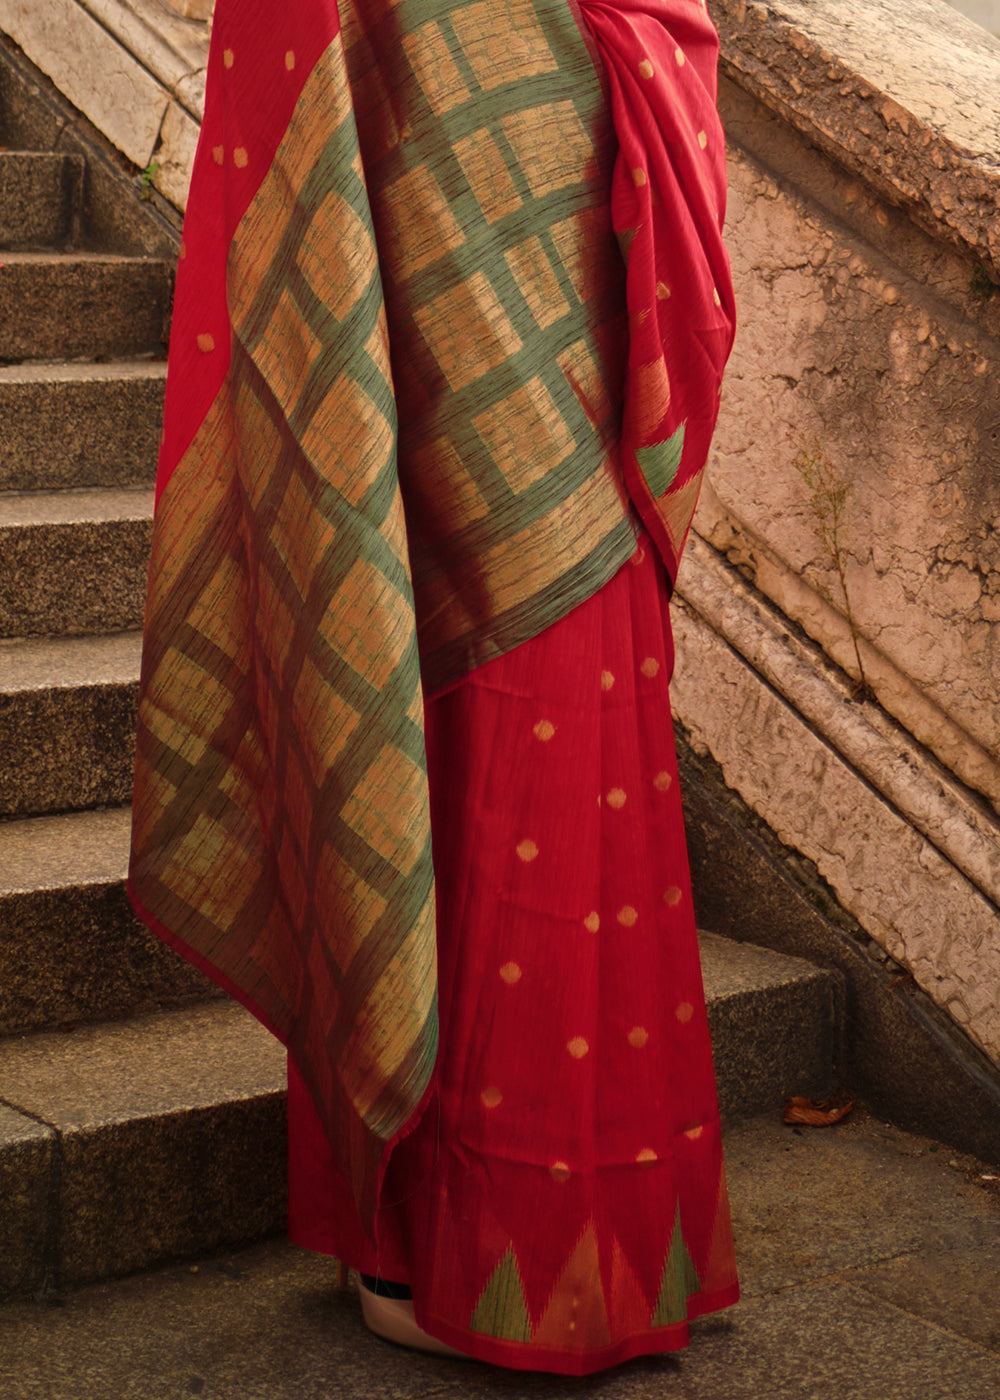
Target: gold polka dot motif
<point>206,343</point>
<point>638,178</point>
<point>663,783</point>
<point>218,154</point>
<point>607,680</point>
<point>650,667</point>
<point>627,916</point>
<point>577,1047</point>
<point>616,798</point>
<point>592,922</point>
<point>544,730</point>
<point>559,1171</point>
<point>702,139</point>
<point>645,69</point>
<point>240,158</point>
<point>684,1012</point>
<point>662,291</point>
<point>511,973</point>
<point>527,851</point>
<point>672,896</point>
<point>679,57</point>
<point>491,1097</point>
<point>290,59</point>
<point>693,1134</point>
<point>638,1036</point>
<point>228,57</point>
<point>646,1154</point>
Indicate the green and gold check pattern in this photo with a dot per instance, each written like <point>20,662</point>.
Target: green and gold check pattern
<point>410,468</point>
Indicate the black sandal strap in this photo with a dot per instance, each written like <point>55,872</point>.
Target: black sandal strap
<point>385,1288</point>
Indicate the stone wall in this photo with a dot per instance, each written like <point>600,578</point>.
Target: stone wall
<point>865,385</point>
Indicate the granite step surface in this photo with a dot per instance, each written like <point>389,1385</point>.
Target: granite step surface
<point>82,306</point>
<point>71,949</point>
<point>40,199</point>
<point>67,722</point>
<point>71,425</point>
<point>868,1262</point>
<point>130,1142</point>
<point>133,1142</point>
<point>73,562</point>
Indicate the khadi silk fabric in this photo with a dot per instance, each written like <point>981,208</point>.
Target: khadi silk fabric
<point>418,402</point>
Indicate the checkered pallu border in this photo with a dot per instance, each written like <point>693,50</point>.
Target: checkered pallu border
<point>412,461</point>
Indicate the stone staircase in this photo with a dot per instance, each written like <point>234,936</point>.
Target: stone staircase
<point>141,1116</point>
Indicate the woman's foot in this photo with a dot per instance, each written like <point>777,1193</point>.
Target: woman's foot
<point>393,1320</point>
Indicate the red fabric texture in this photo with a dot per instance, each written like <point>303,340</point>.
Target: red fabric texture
<point>668,206</point>
<point>575,1115</point>
<point>248,116</point>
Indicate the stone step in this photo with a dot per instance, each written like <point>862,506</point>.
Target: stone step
<point>776,1024</point>
<point>133,1142</point>
<point>82,306</point>
<point>73,562</point>
<point>67,721</point>
<point>71,949</point>
<point>40,198</point>
<point>80,424</point>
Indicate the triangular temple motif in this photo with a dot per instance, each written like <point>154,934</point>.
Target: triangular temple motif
<point>677,508</point>
<point>501,1310</point>
<point>720,1267</point>
<point>576,1314</point>
<point>660,460</point>
<point>628,1304</point>
<point>680,1280</point>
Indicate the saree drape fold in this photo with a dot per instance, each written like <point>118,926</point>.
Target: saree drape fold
<point>417,405</point>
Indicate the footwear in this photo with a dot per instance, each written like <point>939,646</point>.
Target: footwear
<point>393,1320</point>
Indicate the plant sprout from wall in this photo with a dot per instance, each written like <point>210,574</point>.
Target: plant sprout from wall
<point>147,177</point>
<point>828,493</point>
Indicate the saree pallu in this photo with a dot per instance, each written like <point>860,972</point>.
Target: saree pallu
<point>418,404</point>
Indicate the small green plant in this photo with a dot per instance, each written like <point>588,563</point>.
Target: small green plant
<point>981,284</point>
<point>147,179</point>
<point>828,493</point>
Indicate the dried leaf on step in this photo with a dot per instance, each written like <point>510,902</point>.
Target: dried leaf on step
<point>817,1113</point>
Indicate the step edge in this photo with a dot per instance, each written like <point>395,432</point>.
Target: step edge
<point>70,663</point>
<point>34,843</point>
<point>52,507</point>
<point>94,1054</point>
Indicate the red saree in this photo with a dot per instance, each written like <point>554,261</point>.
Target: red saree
<point>417,406</point>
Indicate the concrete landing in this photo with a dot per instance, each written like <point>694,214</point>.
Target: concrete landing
<point>869,1261</point>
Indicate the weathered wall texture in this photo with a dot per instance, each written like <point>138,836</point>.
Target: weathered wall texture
<point>135,68</point>
<point>866,244</point>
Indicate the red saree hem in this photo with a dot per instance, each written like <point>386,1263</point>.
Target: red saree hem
<point>513,1356</point>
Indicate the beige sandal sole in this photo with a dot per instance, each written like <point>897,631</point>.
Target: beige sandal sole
<point>393,1320</point>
